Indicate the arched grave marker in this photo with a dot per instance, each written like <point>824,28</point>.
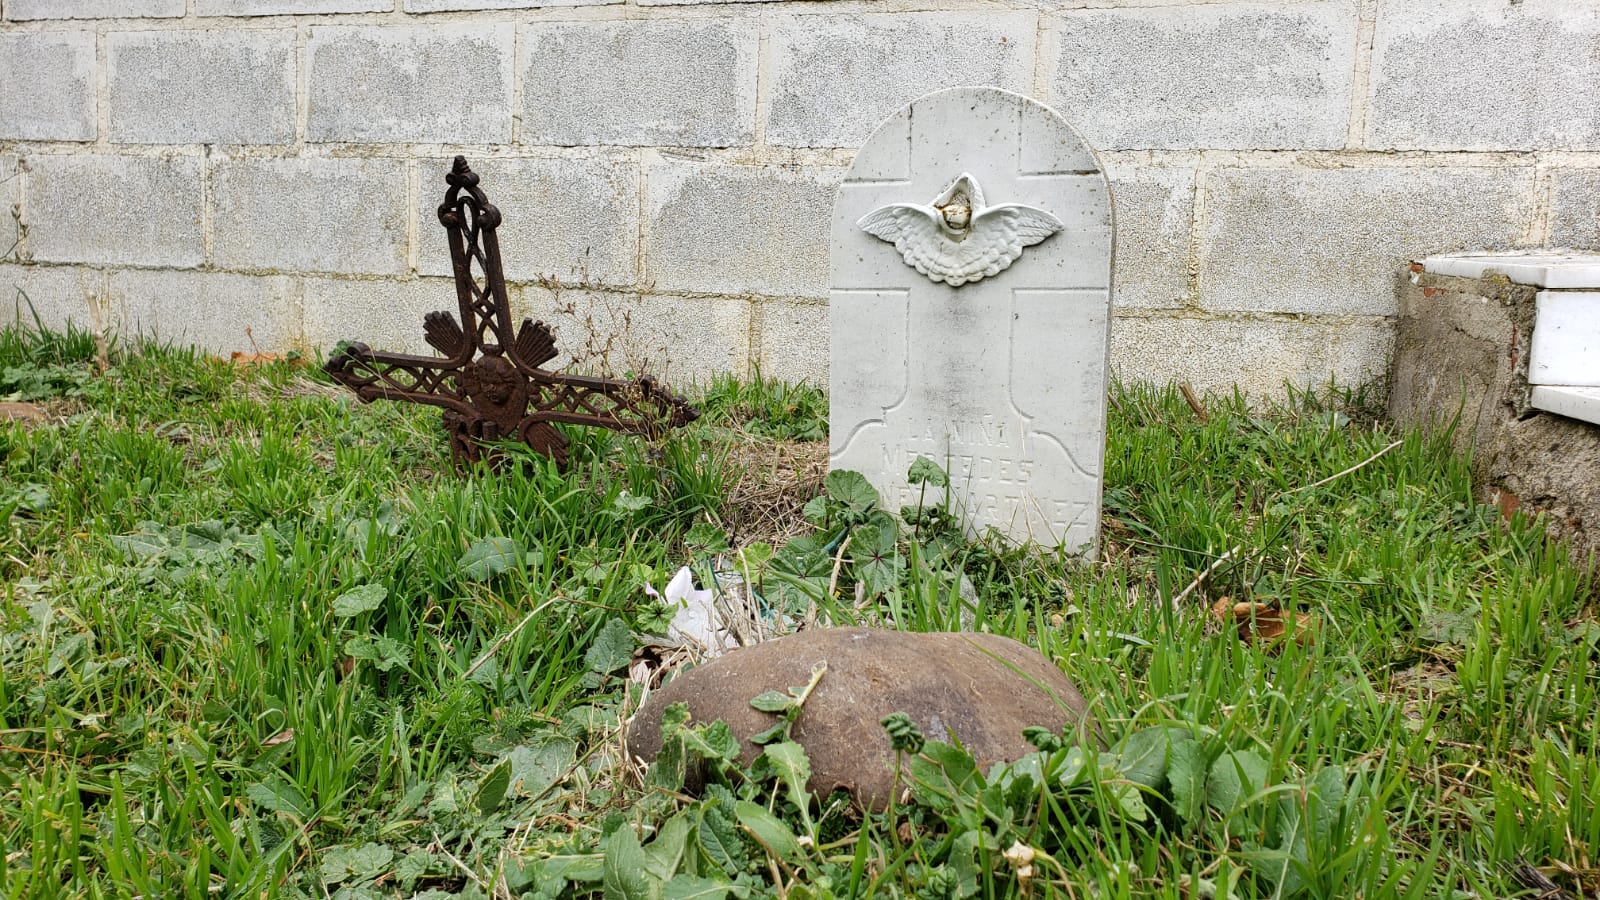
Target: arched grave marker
<point>970,313</point>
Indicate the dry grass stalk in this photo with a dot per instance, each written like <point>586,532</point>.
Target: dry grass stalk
<point>775,481</point>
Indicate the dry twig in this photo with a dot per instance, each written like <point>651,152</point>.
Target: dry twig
<point>1337,475</point>
<point>1535,880</point>
<point>501,641</point>
<point>1217,563</point>
<point>838,563</point>
<point>1194,402</point>
<point>775,480</point>
<point>1199,579</point>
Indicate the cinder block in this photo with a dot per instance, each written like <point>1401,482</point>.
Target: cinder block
<point>18,10</point>
<point>570,219</point>
<point>1334,241</point>
<point>440,84</point>
<point>590,327</point>
<point>681,83</point>
<point>201,87</point>
<point>10,199</point>
<point>288,7</point>
<point>49,86</point>
<point>739,229</point>
<point>218,312</point>
<point>384,314</point>
<point>50,296</point>
<point>1154,214</point>
<point>696,2</point>
<point>835,77</point>
<point>1259,357</point>
<point>1229,75</point>
<point>794,342</point>
<point>1575,209</point>
<point>127,210</point>
<point>1484,75</point>
<point>680,340</point>
<point>426,6</point>
<point>310,215</point>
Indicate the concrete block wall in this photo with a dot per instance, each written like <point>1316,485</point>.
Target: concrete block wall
<point>263,173</point>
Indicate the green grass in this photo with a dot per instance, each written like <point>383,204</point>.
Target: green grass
<point>257,641</point>
<point>767,407</point>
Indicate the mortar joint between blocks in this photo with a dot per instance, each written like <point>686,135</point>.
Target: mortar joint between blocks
<point>20,252</point>
<point>414,213</point>
<point>517,84</point>
<point>1541,225</point>
<point>1200,220</point>
<point>1361,76</point>
<point>208,197</point>
<point>102,90</point>
<point>755,327</point>
<point>643,158</point>
<point>763,76</point>
<point>298,338</point>
<point>302,85</point>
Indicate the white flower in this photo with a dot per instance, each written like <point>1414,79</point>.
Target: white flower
<point>1018,855</point>
<point>696,618</point>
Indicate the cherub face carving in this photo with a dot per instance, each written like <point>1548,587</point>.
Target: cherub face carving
<point>957,214</point>
<point>492,381</point>
<point>498,380</point>
<point>957,239</point>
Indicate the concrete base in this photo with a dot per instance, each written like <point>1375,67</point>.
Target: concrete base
<point>1462,350</point>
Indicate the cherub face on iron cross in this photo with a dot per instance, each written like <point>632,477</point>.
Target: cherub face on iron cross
<point>498,393</point>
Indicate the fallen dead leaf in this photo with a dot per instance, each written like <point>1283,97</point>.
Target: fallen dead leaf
<point>1261,623</point>
<point>26,413</point>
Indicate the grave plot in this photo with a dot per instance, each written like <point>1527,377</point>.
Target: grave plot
<point>253,643</point>
<point>386,682</point>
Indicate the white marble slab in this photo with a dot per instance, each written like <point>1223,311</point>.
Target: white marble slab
<point>1565,348</point>
<point>1002,379</point>
<point>1548,270</point>
<point>1582,403</point>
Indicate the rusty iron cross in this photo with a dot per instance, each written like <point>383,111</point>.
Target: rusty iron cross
<point>489,382</point>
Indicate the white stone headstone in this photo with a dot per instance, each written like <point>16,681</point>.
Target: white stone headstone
<point>971,308</point>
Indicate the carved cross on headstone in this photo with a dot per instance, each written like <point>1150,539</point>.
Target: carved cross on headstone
<point>490,382</point>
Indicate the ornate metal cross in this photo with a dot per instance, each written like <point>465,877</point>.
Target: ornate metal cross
<point>489,382</point>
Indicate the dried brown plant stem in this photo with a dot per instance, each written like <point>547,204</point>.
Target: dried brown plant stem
<point>1200,579</point>
<point>102,358</point>
<point>504,638</point>
<point>1194,402</point>
<point>439,844</point>
<point>838,563</point>
<point>1217,563</point>
<point>1337,475</point>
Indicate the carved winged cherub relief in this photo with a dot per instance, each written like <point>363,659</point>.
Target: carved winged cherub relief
<point>957,239</point>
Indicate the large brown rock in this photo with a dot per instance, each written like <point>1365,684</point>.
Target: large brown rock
<point>979,688</point>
